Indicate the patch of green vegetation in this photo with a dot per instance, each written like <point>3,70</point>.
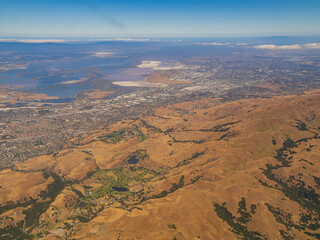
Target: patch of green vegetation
<point>227,135</point>
<point>80,195</point>
<point>67,225</point>
<point>296,190</point>
<point>172,226</point>
<point>140,134</point>
<point>314,226</point>
<point>42,234</point>
<point>14,233</point>
<point>220,128</point>
<point>87,213</point>
<point>174,187</point>
<point>82,218</point>
<point>189,160</point>
<point>317,180</point>
<point>54,188</point>
<point>34,210</point>
<point>253,208</point>
<point>116,137</point>
<point>118,178</point>
<point>196,179</point>
<point>280,216</point>
<point>301,126</point>
<point>316,235</point>
<point>151,127</point>
<point>21,203</point>
<point>286,235</point>
<point>89,153</point>
<point>237,225</point>
<point>187,141</point>
<point>242,210</point>
<point>288,143</point>
<point>303,160</point>
<point>281,153</point>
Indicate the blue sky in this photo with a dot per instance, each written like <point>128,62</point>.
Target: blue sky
<point>103,18</point>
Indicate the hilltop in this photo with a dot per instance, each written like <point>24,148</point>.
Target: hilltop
<point>204,169</point>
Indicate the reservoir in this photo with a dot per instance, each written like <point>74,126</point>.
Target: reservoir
<point>120,189</point>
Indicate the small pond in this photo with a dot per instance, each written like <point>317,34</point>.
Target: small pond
<point>120,189</point>
<point>133,159</point>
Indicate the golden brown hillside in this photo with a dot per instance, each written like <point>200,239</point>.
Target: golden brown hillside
<point>247,169</point>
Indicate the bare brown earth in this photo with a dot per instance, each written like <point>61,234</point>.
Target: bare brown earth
<point>160,77</point>
<point>13,96</point>
<point>96,94</point>
<point>246,169</point>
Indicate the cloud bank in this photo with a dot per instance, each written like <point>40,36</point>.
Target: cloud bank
<point>222,44</point>
<point>122,40</point>
<point>214,44</point>
<point>289,47</point>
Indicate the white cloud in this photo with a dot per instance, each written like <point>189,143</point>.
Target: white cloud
<point>289,47</point>
<point>312,45</point>
<point>102,54</point>
<point>214,44</point>
<point>276,47</point>
<point>222,44</point>
<point>122,40</point>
